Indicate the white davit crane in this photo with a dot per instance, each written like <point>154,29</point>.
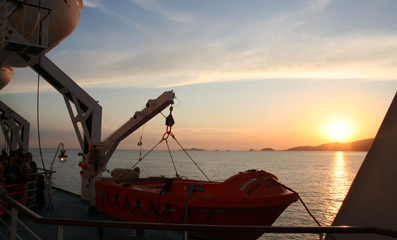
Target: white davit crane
<point>101,153</point>
<point>87,117</point>
<point>15,128</point>
<point>23,43</point>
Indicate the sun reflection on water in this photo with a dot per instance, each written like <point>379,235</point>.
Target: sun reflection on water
<point>339,185</point>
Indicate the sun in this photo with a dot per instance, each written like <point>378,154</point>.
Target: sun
<point>338,130</point>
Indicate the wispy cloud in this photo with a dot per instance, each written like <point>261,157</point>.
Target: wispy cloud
<point>306,57</point>
<point>159,8</point>
<point>92,4</point>
<point>287,44</point>
<point>318,5</point>
<point>354,56</point>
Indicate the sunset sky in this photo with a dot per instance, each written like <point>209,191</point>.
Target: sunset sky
<point>246,74</point>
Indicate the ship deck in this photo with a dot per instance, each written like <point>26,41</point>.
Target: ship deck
<point>67,205</point>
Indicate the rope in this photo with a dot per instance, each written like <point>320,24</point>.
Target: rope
<point>270,176</point>
<point>167,207</point>
<point>140,159</point>
<point>169,123</point>
<point>166,188</point>
<point>172,159</point>
<point>191,158</point>
<point>140,141</point>
<point>187,201</point>
<point>38,117</point>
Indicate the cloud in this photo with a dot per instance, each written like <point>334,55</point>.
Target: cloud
<point>169,13</point>
<point>212,48</point>
<point>341,57</point>
<point>92,4</point>
<point>318,5</point>
<point>352,56</point>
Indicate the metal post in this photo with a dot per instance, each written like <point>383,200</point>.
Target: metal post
<point>25,193</point>
<point>60,232</point>
<point>140,233</point>
<point>100,233</point>
<point>187,208</point>
<point>14,218</point>
<point>29,230</point>
<point>50,205</point>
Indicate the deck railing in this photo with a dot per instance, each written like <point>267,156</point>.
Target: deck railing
<point>16,191</point>
<point>18,208</point>
<point>27,192</point>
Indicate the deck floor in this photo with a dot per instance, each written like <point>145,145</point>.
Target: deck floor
<point>69,205</point>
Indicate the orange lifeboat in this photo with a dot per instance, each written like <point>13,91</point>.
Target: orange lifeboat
<point>247,198</point>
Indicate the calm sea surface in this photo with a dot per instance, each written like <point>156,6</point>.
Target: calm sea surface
<point>321,178</point>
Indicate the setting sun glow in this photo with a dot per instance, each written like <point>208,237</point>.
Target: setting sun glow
<point>338,131</point>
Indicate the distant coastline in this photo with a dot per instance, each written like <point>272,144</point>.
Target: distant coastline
<point>361,145</point>
<point>195,149</point>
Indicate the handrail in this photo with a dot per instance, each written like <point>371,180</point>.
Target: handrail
<point>196,227</point>
<point>34,6</point>
<point>33,38</point>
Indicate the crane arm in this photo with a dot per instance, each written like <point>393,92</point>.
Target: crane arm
<point>153,107</point>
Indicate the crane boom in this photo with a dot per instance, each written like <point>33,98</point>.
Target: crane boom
<point>153,107</point>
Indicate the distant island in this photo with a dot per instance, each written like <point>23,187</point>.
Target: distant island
<point>195,149</point>
<point>361,145</point>
<point>264,149</point>
<point>267,149</point>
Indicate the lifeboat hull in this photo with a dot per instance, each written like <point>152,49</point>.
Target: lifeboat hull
<point>248,198</point>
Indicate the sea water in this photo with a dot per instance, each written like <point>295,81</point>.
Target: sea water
<point>321,178</point>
